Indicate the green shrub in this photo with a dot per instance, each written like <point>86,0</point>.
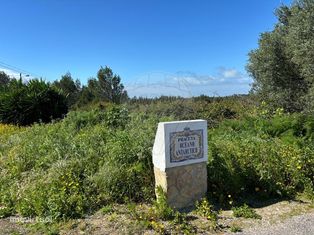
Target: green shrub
<point>5,212</point>
<point>214,110</point>
<point>73,167</point>
<point>112,117</point>
<point>264,157</point>
<point>26,103</point>
<point>245,211</point>
<point>70,168</point>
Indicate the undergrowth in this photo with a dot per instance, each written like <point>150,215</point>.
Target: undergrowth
<point>71,168</point>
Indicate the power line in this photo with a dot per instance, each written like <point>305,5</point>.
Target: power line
<point>17,69</point>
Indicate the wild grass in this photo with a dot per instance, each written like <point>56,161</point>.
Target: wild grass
<point>71,168</point>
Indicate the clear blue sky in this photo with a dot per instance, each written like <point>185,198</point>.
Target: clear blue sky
<point>179,47</point>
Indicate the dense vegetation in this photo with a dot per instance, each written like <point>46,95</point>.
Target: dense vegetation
<point>100,153</point>
<point>26,103</point>
<point>93,158</point>
<point>107,87</point>
<point>282,65</point>
<point>265,157</point>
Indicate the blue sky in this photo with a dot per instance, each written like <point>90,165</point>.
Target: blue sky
<point>158,47</point>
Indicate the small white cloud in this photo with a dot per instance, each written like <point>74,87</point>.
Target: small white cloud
<point>230,73</point>
<point>192,78</point>
<point>187,84</point>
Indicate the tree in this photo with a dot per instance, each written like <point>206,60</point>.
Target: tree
<point>106,87</point>
<point>276,78</point>
<point>300,43</point>
<point>86,97</point>
<point>282,66</point>
<point>110,85</point>
<point>26,103</point>
<point>70,88</point>
<point>4,79</point>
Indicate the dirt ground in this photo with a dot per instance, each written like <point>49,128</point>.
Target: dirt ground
<point>118,221</point>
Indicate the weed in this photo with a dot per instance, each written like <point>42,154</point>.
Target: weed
<point>15,233</point>
<point>181,224</point>
<point>205,209</point>
<point>107,209</point>
<point>235,229</point>
<point>45,228</point>
<point>161,207</point>
<point>93,158</point>
<point>160,215</point>
<point>113,217</point>
<point>5,212</point>
<point>246,212</point>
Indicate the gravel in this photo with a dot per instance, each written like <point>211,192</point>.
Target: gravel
<point>296,225</point>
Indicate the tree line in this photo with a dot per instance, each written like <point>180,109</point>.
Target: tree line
<point>106,87</point>
<point>23,103</point>
<point>282,68</point>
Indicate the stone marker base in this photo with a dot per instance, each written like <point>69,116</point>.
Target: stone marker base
<point>183,185</point>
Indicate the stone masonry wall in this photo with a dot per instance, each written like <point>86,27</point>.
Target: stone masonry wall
<point>183,185</point>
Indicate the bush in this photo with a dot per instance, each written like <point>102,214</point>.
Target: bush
<point>7,130</point>
<point>265,157</point>
<point>35,101</point>
<point>215,111</point>
<point>112,116</point>
<point>90,159</point>
<point>73,167</point>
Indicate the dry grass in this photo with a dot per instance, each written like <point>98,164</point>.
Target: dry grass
<point>120,221</point>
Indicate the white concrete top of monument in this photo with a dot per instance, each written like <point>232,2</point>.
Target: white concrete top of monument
<point>184,121</point>
<point>180,143</point>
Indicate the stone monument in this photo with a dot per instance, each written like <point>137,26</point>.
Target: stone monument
<point>180,159</point>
